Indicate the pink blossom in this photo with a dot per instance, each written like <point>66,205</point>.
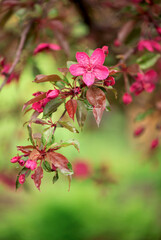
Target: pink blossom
<point>51,94</point>
<point>154,144</point>
<point>82,169</point>
<point>110,81</point>
<point>21,162</point>
<point>158,30</point>
<point>117,43</point>
<point>144,81</point>
<point>5,70</point>
<point>46,46</point>
<point>39,106</point>
<point>15,159</point>
<point>138,131</point>
<point>90,67</point>
<point>127,99</point>
<point>105,50</point>
<point>31,164</point>
<point>21,178</point>
<point>150,45</point>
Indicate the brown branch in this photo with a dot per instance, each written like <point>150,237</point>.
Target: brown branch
<point>18,53</point>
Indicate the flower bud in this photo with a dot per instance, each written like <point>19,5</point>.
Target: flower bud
<point>15,159</point>
<point>21,178</point>
<point>159,30</point>
<point>138,131</point>
<point>154,143</point>
<point>127,99</point>
<point>105,50</point>
<point>117,43</point>
<point>110,81</point>
<point>21,162</point>
<point>51,94</point>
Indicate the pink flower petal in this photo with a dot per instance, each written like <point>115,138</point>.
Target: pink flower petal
<point>82,58</point>
<point>45,46</point>
<point>88,78</point>
<point>101,72</point>
<point>156,45</point>
<point>149,87</point>
<point>77,70</point>
<point>55,47</point>
<point>97,57</point>
<point>151,76</point>
<point>41,47</point>
<point>145,44</point>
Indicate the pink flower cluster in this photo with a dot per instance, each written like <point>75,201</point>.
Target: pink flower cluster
<point>150,45</point>
<point>39,106</point>
<point>31,164</point>
<point>144,81</point>
<point>90,68</point>
<point>5,69</point>
<point>18,159</point>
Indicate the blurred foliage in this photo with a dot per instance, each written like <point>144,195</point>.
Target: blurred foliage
<point>128,210</point>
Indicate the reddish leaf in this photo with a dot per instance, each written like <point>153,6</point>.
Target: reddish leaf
<point>64,71</point>
<point>98,112</point>
<point>37,176</point>
<point>71,107</point>
<point>35,155</point>
<point>33,100</point>
<point>133,69</point>
<point>97,99</point>
<point>47,78</point>
<point>59,161</point>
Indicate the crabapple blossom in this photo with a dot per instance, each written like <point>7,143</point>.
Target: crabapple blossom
<point>31,164</point>
<point>150,45</point>
<point>144,81</point>
<point>90,67</point>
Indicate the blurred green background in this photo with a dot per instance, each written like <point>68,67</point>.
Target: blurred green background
<point>127,210</point>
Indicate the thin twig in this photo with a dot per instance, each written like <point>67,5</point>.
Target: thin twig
<point>18,53</point>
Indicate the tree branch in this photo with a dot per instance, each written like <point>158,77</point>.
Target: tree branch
<point>18,53</point>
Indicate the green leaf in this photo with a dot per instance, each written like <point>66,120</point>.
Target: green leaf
<point>69,63</point>
<point>47,138</point>
<point>30,135</point>
<point>46,166</point>
<point>70,166</point>
<point>148,60</point>
<point>73,142</point>
<point>51,107</point>
<point>17,183</point>
<point>56,177</point>
<point>81,113</point>
<point>69,126</point>
<point>143,115</point>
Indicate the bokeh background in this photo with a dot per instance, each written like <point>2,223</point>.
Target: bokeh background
<point>127,208</point>
<point>119,199</point>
